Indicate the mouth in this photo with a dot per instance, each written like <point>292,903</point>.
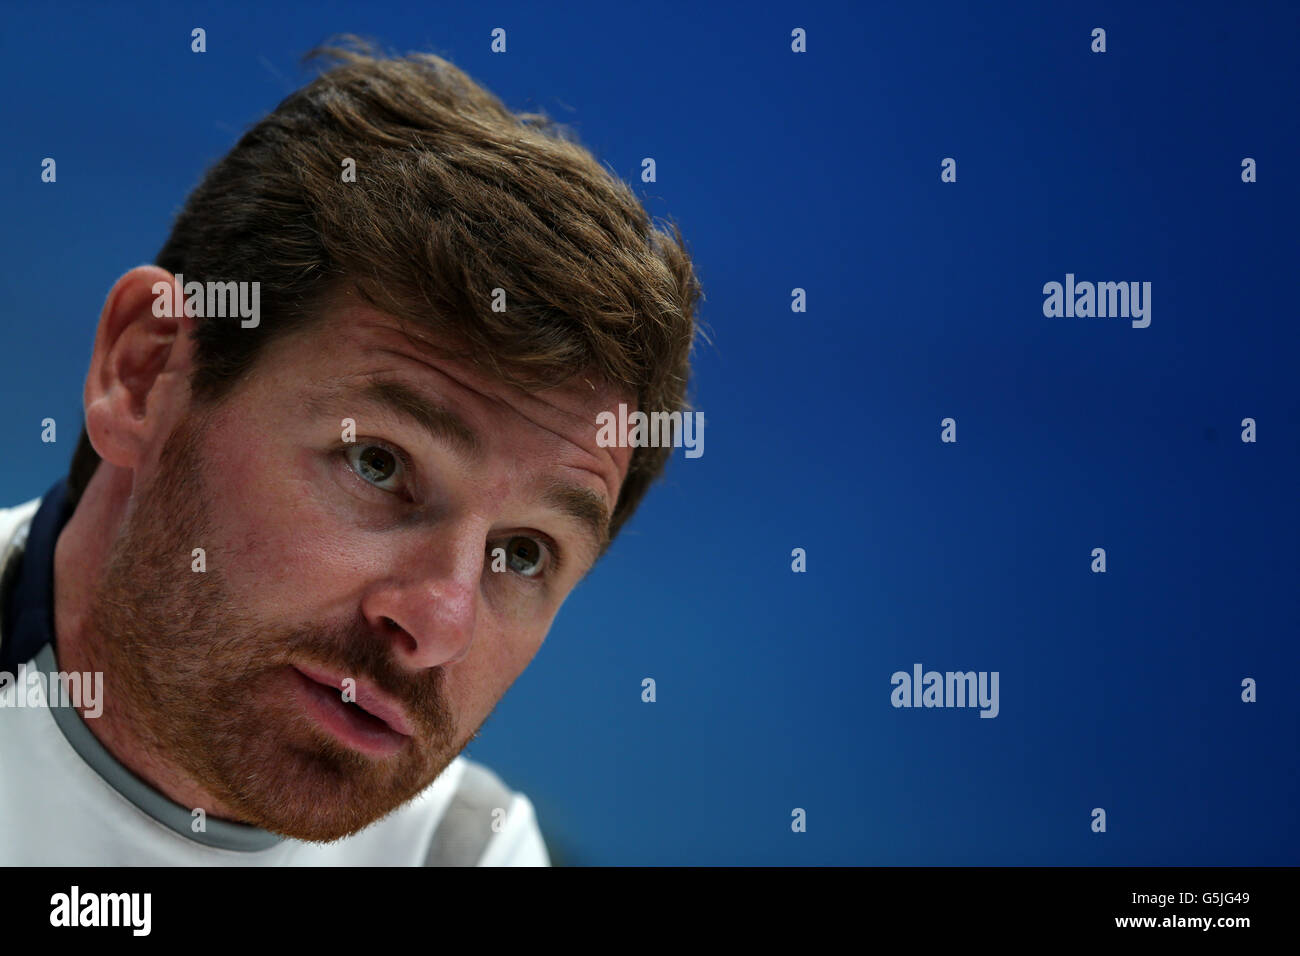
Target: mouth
<point>373,725</point>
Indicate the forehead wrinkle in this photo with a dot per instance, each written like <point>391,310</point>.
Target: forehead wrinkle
<point>384,390</point>
<point>520,396</point>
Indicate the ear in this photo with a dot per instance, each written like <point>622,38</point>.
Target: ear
<point>138,383</point>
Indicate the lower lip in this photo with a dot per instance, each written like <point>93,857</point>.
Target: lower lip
<point>361,732</point>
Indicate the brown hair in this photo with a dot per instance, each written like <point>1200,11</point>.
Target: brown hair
<point>454,196</point>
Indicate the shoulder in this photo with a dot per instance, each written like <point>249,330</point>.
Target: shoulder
<point>486,823</point>
<point>13,524</point>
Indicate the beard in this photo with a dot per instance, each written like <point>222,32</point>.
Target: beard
<point>203,685</point>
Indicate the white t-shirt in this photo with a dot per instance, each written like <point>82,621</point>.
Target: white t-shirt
<point>64,800</point>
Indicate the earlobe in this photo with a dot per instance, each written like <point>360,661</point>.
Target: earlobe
<point>139,368</point>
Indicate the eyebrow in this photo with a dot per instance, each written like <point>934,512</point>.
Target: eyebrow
<point>587,508</point>
<point>581,504</point>
<point>440,422</point>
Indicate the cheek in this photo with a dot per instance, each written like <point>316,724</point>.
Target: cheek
<point>284,549</point>
<point>496,661</point>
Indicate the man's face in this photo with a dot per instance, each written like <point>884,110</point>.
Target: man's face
<point>329,561</point>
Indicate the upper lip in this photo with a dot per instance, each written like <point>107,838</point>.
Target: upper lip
<point>368,697</point>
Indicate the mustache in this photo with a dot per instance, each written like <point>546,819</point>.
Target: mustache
<point>359,651</point>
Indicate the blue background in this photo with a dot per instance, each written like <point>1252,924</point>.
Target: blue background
<point>821,171</point>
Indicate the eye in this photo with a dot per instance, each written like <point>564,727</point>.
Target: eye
<point>525,556</point>
<point>375,463</point>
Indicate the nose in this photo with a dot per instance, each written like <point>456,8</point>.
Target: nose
<point>429,602</point>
